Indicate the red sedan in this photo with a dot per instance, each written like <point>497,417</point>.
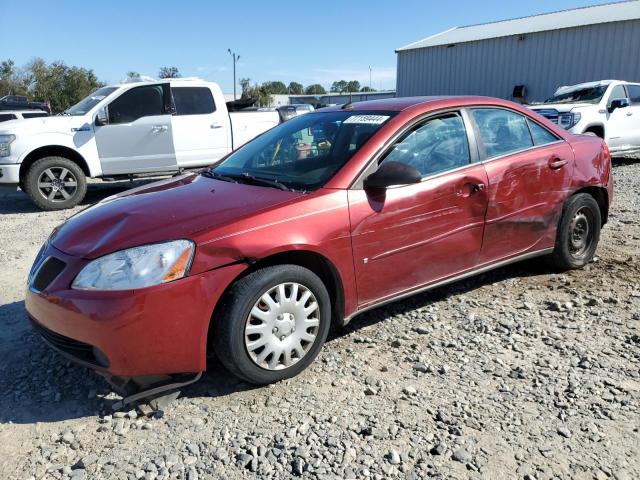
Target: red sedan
<point>317,220</point>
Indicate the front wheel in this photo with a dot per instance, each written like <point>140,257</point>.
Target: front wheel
<point>55,183</point>
<point>578,233</point>
<point>272,323</point>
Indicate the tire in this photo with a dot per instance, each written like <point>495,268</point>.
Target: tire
<point>578,233</point>
<point>66,187</point>
<point>238,332</point>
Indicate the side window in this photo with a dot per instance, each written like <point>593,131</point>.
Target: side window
<point>634,93</point>
<point>502,131</point>
<point>540,135</point>
<point>136,103</point>
<point>193,100</point>
<point>437,145</point>
<point>7,116</point>
<point>617,93</point>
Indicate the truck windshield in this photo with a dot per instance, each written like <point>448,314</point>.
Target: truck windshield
<point>86,104</point>
<point>303,153</point>
<point>582,95</point>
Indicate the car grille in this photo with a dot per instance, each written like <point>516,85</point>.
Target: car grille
<point>80,351</point>
<point>549,113</point>
<point>47,272</point>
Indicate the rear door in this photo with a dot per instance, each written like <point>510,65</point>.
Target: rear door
<point>529,171</point>
<point>410,236</point>
<point>138,136</point>
<point>200,128</point>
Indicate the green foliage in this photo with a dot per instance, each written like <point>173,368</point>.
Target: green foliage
<point>296,88</point>
<point>56,83</point>
<point>133,74</point>
<point>339,86</point>
<point>315,89</point>
<point>260,93</point>
<point>353,86</point>
<point>169,72</point>
<point>367,89</point>
<point>275,88</point>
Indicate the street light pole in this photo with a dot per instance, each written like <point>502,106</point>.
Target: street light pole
<point>370,77</point>
<point>235,59</point>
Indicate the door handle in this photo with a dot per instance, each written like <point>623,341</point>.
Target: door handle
<point>216,125</point>
<point>629,114</point>
<point>469,189</point>
<point>159,128</point>
<point>555,163</point>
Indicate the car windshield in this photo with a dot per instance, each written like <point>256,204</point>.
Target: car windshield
<point>582,95</point>
<point>83,106</point>
<point>303,153</point>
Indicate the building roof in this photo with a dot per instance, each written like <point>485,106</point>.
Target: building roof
<point>610,12</point>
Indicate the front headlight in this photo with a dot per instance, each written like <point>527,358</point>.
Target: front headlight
<point>137,267</point>
<point>568,120</point>
<point>5,144</point>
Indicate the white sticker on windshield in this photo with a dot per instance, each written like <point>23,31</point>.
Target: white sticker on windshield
<point>367,119</point>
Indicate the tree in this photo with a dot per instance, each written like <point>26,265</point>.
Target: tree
<point>295,88</point>
<point>12,80</point>
<point>132,74</point>
<point>353,86</point>
<point>169,72</point>
<point>275,88</point>
<point>366,88</point>
<point>315,89</point>
<point>245,85</point>
<point>339,86</point>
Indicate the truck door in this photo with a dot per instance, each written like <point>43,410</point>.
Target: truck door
<point>622,125</point>
<point>200,127</point>
<point>137,136</point>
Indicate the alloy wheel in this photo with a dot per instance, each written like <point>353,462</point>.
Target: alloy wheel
<point>57,184</point>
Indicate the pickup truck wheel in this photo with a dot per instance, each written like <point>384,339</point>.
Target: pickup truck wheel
<point>55,183</point>
<point>578,233</point>
<point>272,323</point>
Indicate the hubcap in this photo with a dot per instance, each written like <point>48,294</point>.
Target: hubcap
<point>282,326</point>
<point>580,233</point>
<point>57,184</point>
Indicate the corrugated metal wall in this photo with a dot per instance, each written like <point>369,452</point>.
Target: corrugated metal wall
<point>541,61</point>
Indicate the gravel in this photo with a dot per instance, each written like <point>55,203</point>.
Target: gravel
<point>518,373</point>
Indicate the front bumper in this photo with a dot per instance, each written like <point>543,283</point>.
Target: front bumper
<point>152,331</point>
<point>10,173</point>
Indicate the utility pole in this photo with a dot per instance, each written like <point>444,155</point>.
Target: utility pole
<point>370,77</point>
<point>235,59</point>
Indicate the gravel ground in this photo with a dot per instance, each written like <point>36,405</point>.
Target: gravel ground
<point>519,373</point>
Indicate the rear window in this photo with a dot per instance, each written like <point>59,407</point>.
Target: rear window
<point>34,115</point>
<point>193,100</point>
<point>6,117</point>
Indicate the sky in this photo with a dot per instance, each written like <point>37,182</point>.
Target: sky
<point>306,42</point>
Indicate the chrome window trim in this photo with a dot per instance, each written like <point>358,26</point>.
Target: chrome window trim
<point>474,157</point>
<point>535,147</point>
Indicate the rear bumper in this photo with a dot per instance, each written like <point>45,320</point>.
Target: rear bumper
<point>10,174</point>
<point>152,331</point>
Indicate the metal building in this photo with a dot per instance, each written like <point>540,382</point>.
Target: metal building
<point>541,53</point>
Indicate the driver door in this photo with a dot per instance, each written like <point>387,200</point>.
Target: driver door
<point>621,126</point>
<point>409,236</point>
<point>138,136</point>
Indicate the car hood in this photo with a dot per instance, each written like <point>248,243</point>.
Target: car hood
<point>172,209</point>
<point>560,107</point>
<point>59,123</point>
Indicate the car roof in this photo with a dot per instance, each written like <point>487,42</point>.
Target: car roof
<point>405,103</point>
<point>32,110</point>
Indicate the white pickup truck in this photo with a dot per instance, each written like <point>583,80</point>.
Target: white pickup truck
<point>609,109</point>
<point>120,132</point>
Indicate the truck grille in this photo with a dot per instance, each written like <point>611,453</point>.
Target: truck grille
<point>47,272</point>
<point>76,349</point>
<point>549,113</point>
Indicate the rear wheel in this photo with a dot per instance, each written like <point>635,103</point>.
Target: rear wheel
<point>55,183</point>
<point>272,323</point>
<point>578,233</point>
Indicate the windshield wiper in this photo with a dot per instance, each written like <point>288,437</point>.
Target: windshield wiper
<point>217,176</point>
<point>263,181</point>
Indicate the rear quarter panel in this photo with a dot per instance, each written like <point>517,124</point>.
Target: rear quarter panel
<point>592,164</point>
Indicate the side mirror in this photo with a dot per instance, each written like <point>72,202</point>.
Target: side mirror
<point>390,174</point>
<point>102,118</point>
<point>619,103</point>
